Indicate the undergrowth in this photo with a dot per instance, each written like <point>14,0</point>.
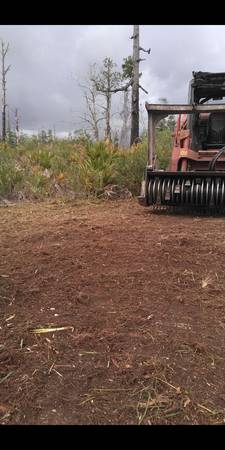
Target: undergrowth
<point>63,167</point>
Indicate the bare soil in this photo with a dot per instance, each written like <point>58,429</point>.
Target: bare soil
<point>144,297</point>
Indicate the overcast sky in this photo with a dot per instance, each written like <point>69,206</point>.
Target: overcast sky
<point>47,62</point>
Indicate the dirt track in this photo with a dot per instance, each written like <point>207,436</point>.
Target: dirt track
<point>145,297</point>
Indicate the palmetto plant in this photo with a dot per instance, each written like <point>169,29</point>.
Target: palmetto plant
<point>98,167</point>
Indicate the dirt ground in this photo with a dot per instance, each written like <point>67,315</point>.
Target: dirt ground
<point>143,298</point>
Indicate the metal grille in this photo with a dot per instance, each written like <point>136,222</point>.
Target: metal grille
<point>216,133</point>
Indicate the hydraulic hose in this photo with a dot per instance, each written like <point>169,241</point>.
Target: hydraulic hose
<point>215,158</point>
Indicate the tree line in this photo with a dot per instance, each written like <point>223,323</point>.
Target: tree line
<point>101,84</point>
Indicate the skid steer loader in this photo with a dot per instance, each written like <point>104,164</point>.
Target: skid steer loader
<point>196,174</point>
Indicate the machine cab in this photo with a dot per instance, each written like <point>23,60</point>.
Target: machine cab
<point>207,129</point>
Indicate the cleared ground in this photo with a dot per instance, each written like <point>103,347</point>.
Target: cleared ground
<point>144,297</point>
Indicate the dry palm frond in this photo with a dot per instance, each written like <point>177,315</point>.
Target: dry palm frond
<point>50,330</point>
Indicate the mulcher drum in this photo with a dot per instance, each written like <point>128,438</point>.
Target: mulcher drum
<point>201,190</point>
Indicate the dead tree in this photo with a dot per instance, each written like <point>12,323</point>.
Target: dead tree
<point>135,88</point>
<point>135,85</point>
<point>93,115</point>
<point>107,82</point>
<point>131,72</point>
<point>4,70</point>
<point>124,114</point>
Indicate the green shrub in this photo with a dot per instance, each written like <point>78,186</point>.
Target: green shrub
<point>42,156</point>
<point>163,147</point>
<point>10,175</point>
<point>130,167</point>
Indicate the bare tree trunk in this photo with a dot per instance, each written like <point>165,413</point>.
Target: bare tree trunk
<point>135,87</point>
<point>8,125</point>
<point>4,51</point>
<point>96,132</point>
<point>125,117</point>
<point>17,126</point>
<point>108,108</point>
<point>107,117</point>
<point>3,97</point>
<point>94,115</point>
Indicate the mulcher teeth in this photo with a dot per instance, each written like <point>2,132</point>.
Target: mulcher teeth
<point>203,193</point>
<point>187,210</point>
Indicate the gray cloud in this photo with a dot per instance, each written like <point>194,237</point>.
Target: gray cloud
<point>48,61</point>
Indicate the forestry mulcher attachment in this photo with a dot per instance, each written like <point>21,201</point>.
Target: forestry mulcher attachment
<point>196,175</point>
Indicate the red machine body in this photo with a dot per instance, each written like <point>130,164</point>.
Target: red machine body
<point>183,158</point>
